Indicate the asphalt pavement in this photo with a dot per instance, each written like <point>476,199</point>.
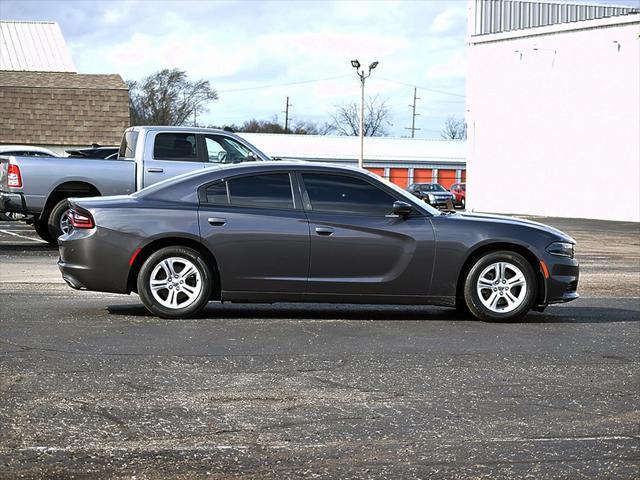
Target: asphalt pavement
<point>92,386</point>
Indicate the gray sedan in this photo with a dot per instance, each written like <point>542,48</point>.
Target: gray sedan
<point>301,232</point>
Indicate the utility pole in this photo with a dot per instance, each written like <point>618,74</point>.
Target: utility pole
<point>414,114</point>
<point>356,64</point>
<point>286,116</point>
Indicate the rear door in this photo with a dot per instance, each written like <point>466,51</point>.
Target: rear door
<point>356,249</point>
<point>168,154</point>
<point>256,228</point>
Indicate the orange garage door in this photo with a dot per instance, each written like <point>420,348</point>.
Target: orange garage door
<point>422,175</point>
<point>399,176</point>
<point>446,178</point>
<point>377,171</point>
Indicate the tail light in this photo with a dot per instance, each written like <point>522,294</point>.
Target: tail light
<point>14,179</point>
<point>81,220</point>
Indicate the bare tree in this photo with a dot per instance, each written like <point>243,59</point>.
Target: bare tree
<point>272,126</point>
<point>454,129</point>
<point>311,128</point>
<point>346,119</point>
<point>167,97</point>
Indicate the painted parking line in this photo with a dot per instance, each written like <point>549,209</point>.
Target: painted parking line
<point>22,236</point>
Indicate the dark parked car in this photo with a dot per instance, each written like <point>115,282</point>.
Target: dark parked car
<point>95,151</point>
<point>459,191</point>
<point>432,193</point>
<point>302,232</point>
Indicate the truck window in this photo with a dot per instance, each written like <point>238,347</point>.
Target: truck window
<point>128,145</point>
<point>175,146</point>
<point>222,149</point>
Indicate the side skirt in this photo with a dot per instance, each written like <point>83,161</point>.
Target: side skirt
<point>272,297</point>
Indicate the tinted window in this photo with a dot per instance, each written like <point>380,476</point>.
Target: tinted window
<point>344,194</point>
<point>222,149</point>
<point>175,146</point>
<point>265,191</point>
<point>128,145</point>
<point>217,194</point>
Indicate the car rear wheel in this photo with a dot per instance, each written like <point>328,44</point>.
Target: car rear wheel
<point>500,287</point>
<point>175,282</point>
<point>58,221</point>
<point>42,229</point>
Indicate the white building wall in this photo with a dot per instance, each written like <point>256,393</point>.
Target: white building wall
<point>554,120</point>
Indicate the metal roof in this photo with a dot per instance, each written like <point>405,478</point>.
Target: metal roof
<point>496,16</point>
<point>376,149</point>
<point>33,47</point>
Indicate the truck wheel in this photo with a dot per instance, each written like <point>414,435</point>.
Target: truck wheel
<point>58,221</point>
<point>175,282</point>
<point>42,229</point>
<point>500,287</point>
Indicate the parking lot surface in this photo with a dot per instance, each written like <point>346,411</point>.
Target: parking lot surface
<point>91,386</point>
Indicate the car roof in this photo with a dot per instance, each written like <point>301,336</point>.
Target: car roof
<point>30,148</point>
<point>248,167</point>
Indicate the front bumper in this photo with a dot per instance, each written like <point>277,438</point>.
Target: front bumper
<point>562,284</point>
<point>439,203</point>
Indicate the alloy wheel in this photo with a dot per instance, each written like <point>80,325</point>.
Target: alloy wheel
<point>175,283</point>
<point>65,222</point>
<point>502,287</point>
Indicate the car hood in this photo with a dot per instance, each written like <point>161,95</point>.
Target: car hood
<point>441,194</point>
<point>518,221</point>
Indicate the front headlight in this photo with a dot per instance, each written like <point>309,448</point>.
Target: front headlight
<point>563,249</point>
<point>431,197</point>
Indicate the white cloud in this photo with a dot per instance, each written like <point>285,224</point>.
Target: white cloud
<point>449,20</point>
<point>246,44</point>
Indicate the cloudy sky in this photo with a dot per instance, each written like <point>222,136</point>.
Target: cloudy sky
<point>255,53</point>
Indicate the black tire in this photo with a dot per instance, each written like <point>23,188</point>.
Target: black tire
<point>53,220</point>
<point>471,295</point>
<point>144,277</point>
<point>42,229</point>
<point>462,203</point>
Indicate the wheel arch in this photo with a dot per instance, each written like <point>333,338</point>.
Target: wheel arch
<point>159,243</point>
<point>482,250</point>
<point>66,190</point>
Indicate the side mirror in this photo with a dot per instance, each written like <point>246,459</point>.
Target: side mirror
<point>401,209</point>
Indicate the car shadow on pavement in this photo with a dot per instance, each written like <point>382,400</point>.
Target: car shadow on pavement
<point>214,311</point>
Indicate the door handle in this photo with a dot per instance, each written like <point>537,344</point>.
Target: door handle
<point>155,170</point>
<point>326,231</point>
<point>217,221</point>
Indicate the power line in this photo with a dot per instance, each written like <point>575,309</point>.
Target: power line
<point>442,92</point>
<point>282,84</point>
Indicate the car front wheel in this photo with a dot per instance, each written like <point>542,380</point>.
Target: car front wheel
<point>175,282</point>
<point>500,287</point>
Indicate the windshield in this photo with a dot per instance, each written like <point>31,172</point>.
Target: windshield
<point>431,187</point>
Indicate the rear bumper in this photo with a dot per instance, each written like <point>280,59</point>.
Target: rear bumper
<point>94,260</point>
<point>13,202</point>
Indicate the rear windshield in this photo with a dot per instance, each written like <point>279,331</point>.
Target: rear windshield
<point>128,145</point>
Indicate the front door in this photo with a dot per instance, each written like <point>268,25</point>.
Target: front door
<point>356,249</point>
<point>174,153</point>
<point>258,233</point>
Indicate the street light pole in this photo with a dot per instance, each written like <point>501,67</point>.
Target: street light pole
<point>356,64</point>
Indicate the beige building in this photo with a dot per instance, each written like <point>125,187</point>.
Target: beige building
<point>45,102</point>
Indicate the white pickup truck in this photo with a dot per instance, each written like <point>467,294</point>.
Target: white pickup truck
<point>39,186</point>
